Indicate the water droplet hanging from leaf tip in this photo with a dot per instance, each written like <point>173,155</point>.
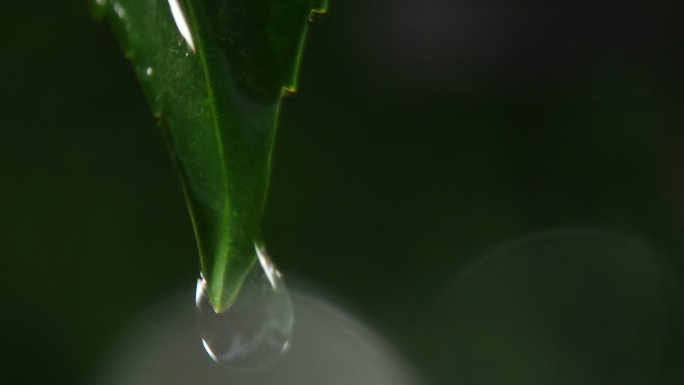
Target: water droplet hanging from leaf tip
<point>255,330</point>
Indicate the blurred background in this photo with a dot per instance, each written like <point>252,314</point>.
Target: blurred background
<point>426,137</point>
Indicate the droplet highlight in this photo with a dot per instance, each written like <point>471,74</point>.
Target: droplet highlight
<point>255,331</point>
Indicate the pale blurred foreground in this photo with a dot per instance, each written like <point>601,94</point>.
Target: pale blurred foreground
<point>567,307</point>
<point>328,347</point>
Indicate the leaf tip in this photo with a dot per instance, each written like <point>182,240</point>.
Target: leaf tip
<point>220,297</point>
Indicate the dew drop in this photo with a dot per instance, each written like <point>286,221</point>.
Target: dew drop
<point>119,10</point>
<point>255,331</point>
<point>149,71</point>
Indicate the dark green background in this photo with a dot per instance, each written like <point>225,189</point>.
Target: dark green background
<point>424,134</point>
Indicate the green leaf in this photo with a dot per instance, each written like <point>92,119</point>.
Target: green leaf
<point>214,72</point>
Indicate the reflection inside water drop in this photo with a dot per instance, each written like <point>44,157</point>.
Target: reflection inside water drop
<point>256,329</point>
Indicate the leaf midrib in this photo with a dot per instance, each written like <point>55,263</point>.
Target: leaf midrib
<point>199,46</point>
